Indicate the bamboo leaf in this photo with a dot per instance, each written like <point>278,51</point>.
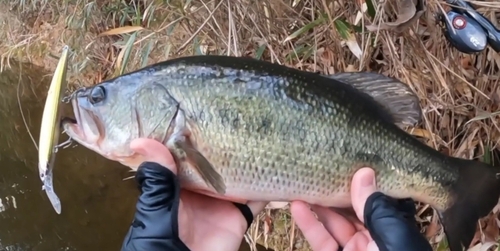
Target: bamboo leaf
<point>121,30</point>
<point>128,49</point>
<point>260,51</point>
<point>343,28</point>
<point>305,28</point>
<point>146,51</point>
<point>370,8</point>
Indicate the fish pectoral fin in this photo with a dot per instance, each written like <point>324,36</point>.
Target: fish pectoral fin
<point>396,99</point>
<point>180,147</point>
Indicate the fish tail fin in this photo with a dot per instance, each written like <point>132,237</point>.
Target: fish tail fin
<point>474,196</point>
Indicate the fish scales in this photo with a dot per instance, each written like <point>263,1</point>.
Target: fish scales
<point>244,129</point>
<point>273,135</point>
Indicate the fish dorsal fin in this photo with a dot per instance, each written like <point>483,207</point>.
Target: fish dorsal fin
<point>393,96</point>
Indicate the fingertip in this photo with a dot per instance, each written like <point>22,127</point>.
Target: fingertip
<point>357,242</point>
<point>299,207</point>
<point>339,227</point>
<point>147,146</point>
<point>316,234</point>
<point>154,151</point>
<point>364,177</point>
<point>372,246</point>
<point>362,186</point>
<point>256,206</point>
<point>142,144</point>
<point>300,211</point>
<point>136,145</point>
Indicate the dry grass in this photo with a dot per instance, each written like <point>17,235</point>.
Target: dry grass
<point>459,92</point>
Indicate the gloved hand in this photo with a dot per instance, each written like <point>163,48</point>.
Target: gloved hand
<point>167,218</point>
<point>382,224</point>
<point>155,222</point>
<point>392,224</point>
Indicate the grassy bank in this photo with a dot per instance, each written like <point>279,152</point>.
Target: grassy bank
<point>460,93</point>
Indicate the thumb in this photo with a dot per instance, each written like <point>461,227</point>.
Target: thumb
<point>362,186</point>
<point>154,151</point>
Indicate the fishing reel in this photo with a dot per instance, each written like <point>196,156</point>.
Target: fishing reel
<point>467,30</point>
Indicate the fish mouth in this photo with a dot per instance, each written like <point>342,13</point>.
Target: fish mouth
<point>88,129</point>
<point>83,128</point>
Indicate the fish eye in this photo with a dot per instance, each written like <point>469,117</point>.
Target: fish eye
<point>97,94</point>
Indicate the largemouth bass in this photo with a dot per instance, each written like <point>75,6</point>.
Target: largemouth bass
<point>243,129</point>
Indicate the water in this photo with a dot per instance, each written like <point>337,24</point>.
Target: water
<point>97,205</point>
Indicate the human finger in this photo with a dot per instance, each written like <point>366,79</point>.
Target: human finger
<point>317,236</point>
<point>350,215</point>
<point>372,246</point>
<point>362,186</point>
<point>341,229</point>
<point>256,206</point>
<point>250,210</point>
<point>359,242</point>
<point>154,151</point>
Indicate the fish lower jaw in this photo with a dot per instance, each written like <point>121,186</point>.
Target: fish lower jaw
<point>75,132</point>
<point>72,129</point>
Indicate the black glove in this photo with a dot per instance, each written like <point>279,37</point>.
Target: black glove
<point>155,225</point>
<point>392,224</point>
<point>155,222</point>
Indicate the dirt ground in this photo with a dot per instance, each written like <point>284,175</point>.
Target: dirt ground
<point>460,93</point>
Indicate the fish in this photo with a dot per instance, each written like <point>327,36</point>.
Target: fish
<point>50,130</point>
<point>243,129</point>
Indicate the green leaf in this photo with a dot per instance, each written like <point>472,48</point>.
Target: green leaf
<point>128,49</point>
<point>145,53</point>
<point>443,245</point>
<point>260,51</point>
<point>301,51</point>
<point>487,155</point>
<point>343,28</point>
<point>197,46</point>
<point>306,28</point>
<point>370,8</point>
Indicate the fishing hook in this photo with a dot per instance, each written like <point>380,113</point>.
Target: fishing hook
<point>71,96</point>
<point>64,144</point>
